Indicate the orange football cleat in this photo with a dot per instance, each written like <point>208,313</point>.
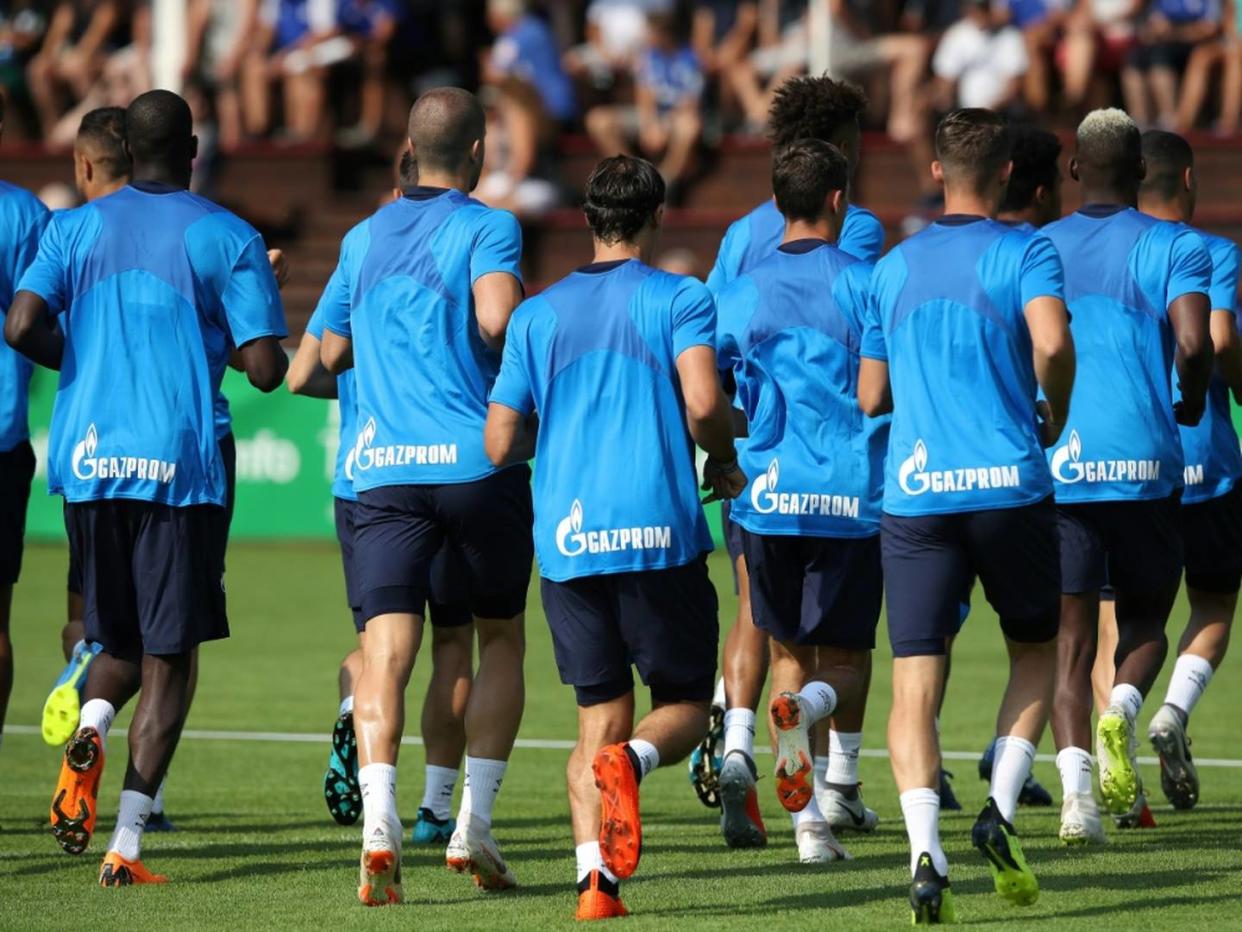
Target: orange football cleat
<point>794,771</point>
<point>594,903</point>
<point>380,880</point>
<point>620,828</point>
<point>77,790</point>
<point>118,872</point>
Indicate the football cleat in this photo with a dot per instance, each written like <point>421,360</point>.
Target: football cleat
<point>340,781</point>
<point>845,813</point>
<point>931,899</point>
<point>472,850</point>
<point>428,830</point>
<point>794,768</point>
<point>379,870</point>
<point>1119,784</point>
<point>1032,793</point>
<point>620,826</point>
<point>740,820</point>
<point>599,898</point>
<point>706,762</point>
<point>77,791</point>
<point>1178,777</point>
<point>997,841</point>
<point>159,822</point>
<point>64,702</point>
<point>1080,820</point>
<point>118,872</point>
<point>1137,816</point>
<point>817,844</point>
<point>948,800</point>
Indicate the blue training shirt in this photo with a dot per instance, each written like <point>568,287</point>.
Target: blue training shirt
<point>22,218</point>
<point>791,329</point>
<point>1213,459</point>
<point>1124,269</point>
<point>753,238</point>
<point>596,356</point>
<point>152,284</point>
<point>948,315</point>
<point>346,399</point>
<point>423,373</point>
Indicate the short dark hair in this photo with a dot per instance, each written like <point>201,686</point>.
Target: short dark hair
<point>159,127</point>
<point>972,145</point>
<point>1168,156</point>
<point>444,123</point>
<point>1035,153</point>
<point>1109,148</point>
<point>804,174</point>
<point>622,196</point>
<point>809,107</point>
<point>103,130</point>
<point>407,170</point>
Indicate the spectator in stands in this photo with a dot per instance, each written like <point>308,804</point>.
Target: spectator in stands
<point>1224,54</point>
<point>517,166</point>
<point>665,119</point>
<point>283,50</point>
<point>1168,34</point>
<point>1098,36</point>
<point>80,36</point>
<point>616,32</point>
<point>1040,22</point>
<point>219,34</point>
<point>22,25</point>
<point>980,61</point>
<point>721,33</point>
<point>782,50</point>
<point>526,50</point>
<point>371,25</point>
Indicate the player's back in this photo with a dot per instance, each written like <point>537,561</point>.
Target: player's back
<point>423,371</point>
<point>1122,271</point>
<point>22,219</point>
<point>791,329</point>
<point>615,485</point>
<point>950,306</point>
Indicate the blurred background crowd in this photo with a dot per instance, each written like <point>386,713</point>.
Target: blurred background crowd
<point>665,78</point>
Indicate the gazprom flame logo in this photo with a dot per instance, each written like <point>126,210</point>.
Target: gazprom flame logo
<point>84,455</point>
<point>362,444</point>
<point>912,476</point>
<point>569,532</point>
<point>763,489</point>
<point>1066,463</point>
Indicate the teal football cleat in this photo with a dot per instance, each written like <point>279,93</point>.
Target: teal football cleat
<point>64,703</point>
<point>340,783</point>
<point>428,830</point>
<point>707,760</point>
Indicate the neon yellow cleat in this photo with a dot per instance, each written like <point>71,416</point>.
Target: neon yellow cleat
<point>1119,783</point>
<point>63,705</point>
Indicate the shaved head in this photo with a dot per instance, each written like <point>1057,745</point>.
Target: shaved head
<point>445,124</point>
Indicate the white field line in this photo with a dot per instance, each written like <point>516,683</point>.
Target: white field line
<point>544,744</point>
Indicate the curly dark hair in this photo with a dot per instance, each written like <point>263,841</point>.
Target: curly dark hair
<point>1035,155</point>
<point>622,195</point>
<point>813,108</point>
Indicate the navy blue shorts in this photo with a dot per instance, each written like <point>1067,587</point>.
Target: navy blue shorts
<point>1212,532</point>
<point>17,469</point>
<point>816,591</point>
<point>1134,546</point>
<point>664,622</point>
<point>930,561</point>
<point>400,529</point>
<point>733,542</point>
<point>152,575</point>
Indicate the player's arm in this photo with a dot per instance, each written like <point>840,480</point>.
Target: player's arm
<point>508,436</point>
<point>710,420</point>
<point>306,375</point>
<point>875,394</point>
<point>1228,350</point>
<point>1190,317</point>
<point>1052,352</point>
<point>31,330</point>
<point>265,362</point>
<point>496,296</point>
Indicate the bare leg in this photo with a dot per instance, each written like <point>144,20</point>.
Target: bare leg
<point>448,692</point>
<point>1024,710</point>
<point>746,651</point>
<point>603,124</point>
<point>1141,641</point>
<point>497,698</point>
<point>1231,89</point>
<point>1076,649</point>
<point>913,744</point>
<point>1134,90</point>
<point>1164,93</point>
<point>388,654</point>
<point>6,652</point>
<point>684,133</point>
<point>1079,63</point>
<point>350,673</point>
<point>1104,672</point>
<point>1199,69</point>
<point>598,726</point>
<point>1211,618</point>
<point>158,719</point>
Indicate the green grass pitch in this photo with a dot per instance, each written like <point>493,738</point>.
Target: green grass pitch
<point>257,849</point>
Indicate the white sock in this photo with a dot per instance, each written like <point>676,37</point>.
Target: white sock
<point>78,647</point>
<point>1011,764</point>
<point>648,756</point>
<point>438,790</point>
<point>819,768</point>
<point>718,697</point>
<point>378,783</point>
<point>158,804</point>
<point>97,714</point>
<point>1075,767</point>
<point>131,819</point>
<point>1191,675</point>
<point>478,796</point>
<point>843,750</point>
<point>819,699</point>
<point>740,732</point>
<point>1128,698</point>
<point>812,813</point>
<point>921,810</point>
<point>347,705</point>
<point>589,859</point>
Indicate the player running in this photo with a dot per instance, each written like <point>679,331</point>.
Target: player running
<point>623,357</point>
<point>22,218</point>
<point>150,285</point>
<point>802,108</point>
<point>423,295</point>
<point>789,330</point>
<point>1138,291</point>
<point>969,322</point>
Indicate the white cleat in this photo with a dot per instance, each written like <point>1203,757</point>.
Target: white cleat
<point>472,850</point>
<point>845,814</point>
<point>379,869</point>
<point>817,844</point>
<point>1080,820</point>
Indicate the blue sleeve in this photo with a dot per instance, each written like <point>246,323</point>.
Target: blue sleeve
<point>497,247</point>
<point>1190,267</point>
<point>1042,273</point>
<point>731,314</point>
<point>334,302</point>
<point>694,317</point>
<point>251,298</point>
<point>874,345</point>
<point>1224,293</point>
<point>513,387</point>
<point>862,236</point>
<point>728,257</point>
<point>48,275</point>
<point>852,293</point>
<point>27,229</point>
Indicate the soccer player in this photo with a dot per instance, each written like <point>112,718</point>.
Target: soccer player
<point>22,219</point>
<point>150,286</point>
<point>968,322</point>
<point>618,357</point>
<point>789,330</point>
<point>802,108</point>
<point>425,290</point>
<point>1138,291</point>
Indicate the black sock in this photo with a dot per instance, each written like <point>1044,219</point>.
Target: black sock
<point>611,887</point>
<point>635,763</point>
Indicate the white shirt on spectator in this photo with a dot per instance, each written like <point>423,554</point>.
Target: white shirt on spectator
<point>622,24</point>
<point>980,61</point>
